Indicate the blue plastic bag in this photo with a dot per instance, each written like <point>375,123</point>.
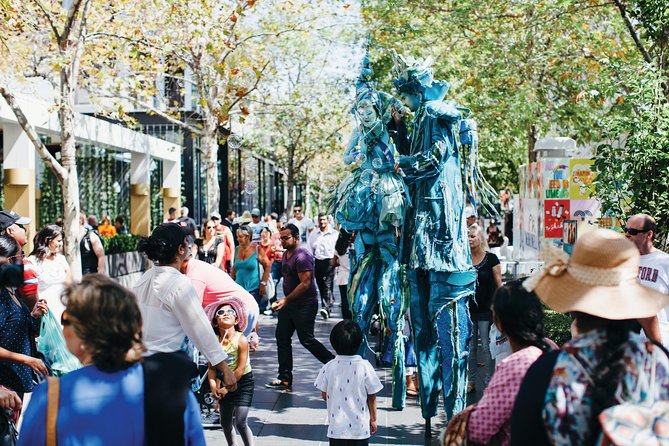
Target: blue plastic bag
<point>52,344</point>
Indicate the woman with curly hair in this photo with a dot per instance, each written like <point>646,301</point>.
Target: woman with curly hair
<point>115,398</point>
<point>173,316</point>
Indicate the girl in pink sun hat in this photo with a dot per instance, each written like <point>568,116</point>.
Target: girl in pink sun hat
<point>228,319</point>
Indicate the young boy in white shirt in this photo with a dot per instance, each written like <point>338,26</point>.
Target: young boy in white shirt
<point>349,385</point>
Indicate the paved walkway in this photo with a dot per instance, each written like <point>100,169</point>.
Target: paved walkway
<point>298,418</point>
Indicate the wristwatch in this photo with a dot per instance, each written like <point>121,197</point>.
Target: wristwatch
<point>263,283</point>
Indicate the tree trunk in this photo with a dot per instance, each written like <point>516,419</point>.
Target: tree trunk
<point>209,144</point>
<point>531,142</point>
<point>70,183</point>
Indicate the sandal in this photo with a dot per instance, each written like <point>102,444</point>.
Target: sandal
<point>412,392</point>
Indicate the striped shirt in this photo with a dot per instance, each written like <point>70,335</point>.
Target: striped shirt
<point>29,287</point>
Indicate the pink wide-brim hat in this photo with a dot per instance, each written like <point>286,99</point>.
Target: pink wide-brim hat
<point>235,303</point>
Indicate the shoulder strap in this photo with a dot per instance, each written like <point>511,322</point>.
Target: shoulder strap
<point>661,347</point>
<point>53,396</point>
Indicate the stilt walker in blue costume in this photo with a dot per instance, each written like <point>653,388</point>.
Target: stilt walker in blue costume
<point>435,247</point>
<point>371,201</point>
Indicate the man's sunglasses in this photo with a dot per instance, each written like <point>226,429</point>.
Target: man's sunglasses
<point>286,237</point>
<point>633,231</point>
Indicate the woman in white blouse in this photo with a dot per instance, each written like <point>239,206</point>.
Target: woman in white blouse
<point>171,311</point>
<point>52,269</point>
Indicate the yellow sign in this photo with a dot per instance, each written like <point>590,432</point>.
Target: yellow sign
<point>581,175</point>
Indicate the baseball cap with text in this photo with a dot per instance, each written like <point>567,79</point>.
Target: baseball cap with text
<point>8,218</point>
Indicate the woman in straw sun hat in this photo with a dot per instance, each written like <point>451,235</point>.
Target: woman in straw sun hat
<point>606,363</point>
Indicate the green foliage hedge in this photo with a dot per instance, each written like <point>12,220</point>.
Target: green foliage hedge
<point>120,243</point>
<point>557,326</point>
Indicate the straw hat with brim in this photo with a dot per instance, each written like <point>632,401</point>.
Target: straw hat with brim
<point>235,303</point>
<point>599,279</point>
<point>245,218</point>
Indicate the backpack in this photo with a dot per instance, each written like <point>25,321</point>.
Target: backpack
<point>637,423</point>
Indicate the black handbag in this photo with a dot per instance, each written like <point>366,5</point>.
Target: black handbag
<point>8,433</point>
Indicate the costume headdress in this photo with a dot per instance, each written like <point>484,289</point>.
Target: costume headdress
<point>364,87</point>
<point>415,76</point>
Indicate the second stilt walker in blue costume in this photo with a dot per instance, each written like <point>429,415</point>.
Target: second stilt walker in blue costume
<point>371,201</point>
<point>435,246</point>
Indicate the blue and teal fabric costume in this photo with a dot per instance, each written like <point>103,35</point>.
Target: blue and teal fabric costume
<point>435,244</point>
<point>372,201</point>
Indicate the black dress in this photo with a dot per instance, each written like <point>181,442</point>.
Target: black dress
<point>479,308</point>
<point>208,256</point>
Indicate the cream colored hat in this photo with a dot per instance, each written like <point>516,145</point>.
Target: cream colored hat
<point>599,279</point>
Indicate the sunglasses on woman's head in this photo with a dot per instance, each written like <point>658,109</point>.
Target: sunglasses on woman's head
<point>224,312</point>
<point>64,320</point>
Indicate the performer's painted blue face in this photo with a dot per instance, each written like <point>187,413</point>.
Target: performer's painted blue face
<point>411,100</point>
<point>367,114</point>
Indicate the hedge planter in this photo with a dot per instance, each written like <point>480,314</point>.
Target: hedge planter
<point>126,263</point>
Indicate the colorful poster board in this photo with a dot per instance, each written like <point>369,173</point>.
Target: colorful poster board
<point>555,213</point>
<point>556,174</point>
<point>585,211</point>
<point>582,175</point>
<point>530,227</point>
<point>569,233</point>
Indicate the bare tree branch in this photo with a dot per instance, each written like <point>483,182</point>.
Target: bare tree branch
<point>70,22</point>
<point>50,161</point>
<point>255,86</point>
<point>632,31</point>
<point>153,110</point>
<point>49,19</point>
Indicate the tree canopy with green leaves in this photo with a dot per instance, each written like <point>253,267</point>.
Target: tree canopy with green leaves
<point>525,69</point>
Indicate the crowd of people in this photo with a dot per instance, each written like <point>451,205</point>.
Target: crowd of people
<point>202,300</point>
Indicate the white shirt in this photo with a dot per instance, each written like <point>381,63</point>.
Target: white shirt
<point>304,225</point>
<point>171,310</point>
<point>348,380</point>
<point>654,273</point>
<point>322,244</point>
<point>343,270</point>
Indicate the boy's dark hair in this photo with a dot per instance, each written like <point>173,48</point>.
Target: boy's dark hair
<point>346,337</point>
<point>294,230</point>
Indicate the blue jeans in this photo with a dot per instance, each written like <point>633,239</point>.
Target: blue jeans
<point>481,329</point>
<point>275,274</point>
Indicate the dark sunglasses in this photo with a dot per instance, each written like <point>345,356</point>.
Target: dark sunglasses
<point>297,210</point>
<point>64,321</point>
<point>286,237</point>
<point>633,231</point>
<point>211,227</point>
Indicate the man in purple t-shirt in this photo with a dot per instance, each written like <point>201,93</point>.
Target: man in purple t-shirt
<point>297,311</point>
